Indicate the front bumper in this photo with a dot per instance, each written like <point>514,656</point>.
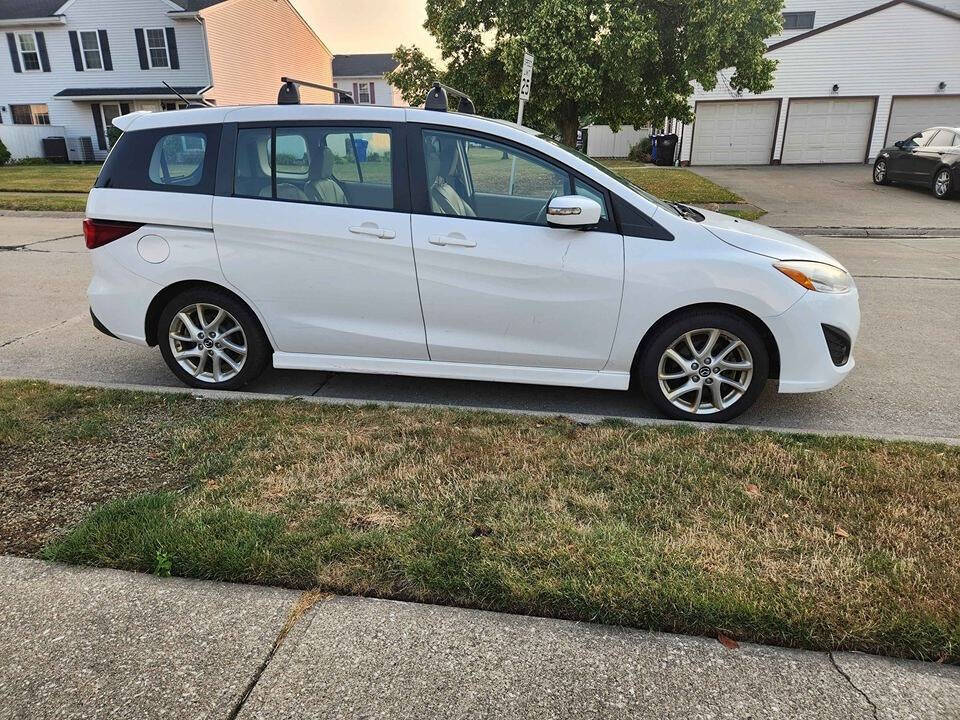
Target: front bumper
<point>806,364</point>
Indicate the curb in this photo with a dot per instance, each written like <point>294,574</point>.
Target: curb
<point>863,232</point>
<point>579,418</point>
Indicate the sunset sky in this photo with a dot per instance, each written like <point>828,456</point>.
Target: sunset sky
<point>368,26</point>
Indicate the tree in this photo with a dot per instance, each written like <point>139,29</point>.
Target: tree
<point>626,62</point>
<point>4,154</point>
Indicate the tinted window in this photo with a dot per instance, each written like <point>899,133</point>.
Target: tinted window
<point>320,165</point>
<point>182,159</point>
<point>943,138</point>
<point>178,159</point>
<point>581,188</point>
<point>921,138</point>
<point>469,177</point>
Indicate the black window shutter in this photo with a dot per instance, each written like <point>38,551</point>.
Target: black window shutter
<point>105,49</point>
<point>75,49</point>
<point>42,49</point>
<point>142,49</point>
<point>14,55</point>
<point>172,49</point>
<point>124,108</point>
<point>98,124</point>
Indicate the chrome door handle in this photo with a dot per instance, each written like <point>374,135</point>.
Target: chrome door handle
<point>453,239</point>
<point>372,231</point>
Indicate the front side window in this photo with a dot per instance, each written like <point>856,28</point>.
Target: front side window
<point>581,188</point>
<point>29,55</point>
<point>320,165</point>
<point>470,177</point>
<point>177,159</point>
<point>921,138</point>
<point>90,47</point>
<point>157,48</point>
<point>30,114</point>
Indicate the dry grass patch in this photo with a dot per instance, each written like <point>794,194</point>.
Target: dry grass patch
<point>798,540</point>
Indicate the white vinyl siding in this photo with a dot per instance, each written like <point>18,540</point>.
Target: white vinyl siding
<point>911,115</point>
<point>739,132</point>
<point>867,57</point>
<point>827,130</point>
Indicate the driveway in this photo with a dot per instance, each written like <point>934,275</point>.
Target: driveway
<point>904,384</point>
<point>811,196</point>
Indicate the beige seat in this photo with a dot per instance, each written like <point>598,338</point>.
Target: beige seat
<point>328,190</point>
<point>444,199</point>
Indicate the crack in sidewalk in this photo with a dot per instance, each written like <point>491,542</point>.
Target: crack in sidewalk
<point>39,331</point>
<point>836,666</point>
<point>304,603</point>
<point>25,246</point>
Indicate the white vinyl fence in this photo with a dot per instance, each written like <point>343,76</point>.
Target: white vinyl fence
<point>603,142</point>
<point>26,140</point>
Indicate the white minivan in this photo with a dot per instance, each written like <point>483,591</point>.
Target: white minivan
<point>441,244</point>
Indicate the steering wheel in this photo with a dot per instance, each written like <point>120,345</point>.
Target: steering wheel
<point>541,218</point>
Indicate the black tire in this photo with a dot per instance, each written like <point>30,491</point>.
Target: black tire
<point>258,350</point>
<point>731,327</point>
<point>942,190</point>
<point>884,178</point>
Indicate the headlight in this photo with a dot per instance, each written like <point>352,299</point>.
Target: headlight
<point>816,276</point>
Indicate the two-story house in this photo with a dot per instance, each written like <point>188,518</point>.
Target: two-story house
<point>74,65</point>
<point>362,76</point>
<point>852,77</point>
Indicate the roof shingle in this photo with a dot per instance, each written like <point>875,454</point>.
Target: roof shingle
<point>363,65</point>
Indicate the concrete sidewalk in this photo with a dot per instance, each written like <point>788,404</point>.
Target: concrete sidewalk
<point>81,643</point>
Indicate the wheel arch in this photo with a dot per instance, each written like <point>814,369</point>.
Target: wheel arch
<point>769,341</point>
<point>161,299</point>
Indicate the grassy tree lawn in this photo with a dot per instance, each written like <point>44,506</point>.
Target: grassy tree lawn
<point>797,540</point>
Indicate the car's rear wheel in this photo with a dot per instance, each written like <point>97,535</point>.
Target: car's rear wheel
<point>211,340</point>
<point>942,184</point>
<point>705,366</point>
<point>881,174</point>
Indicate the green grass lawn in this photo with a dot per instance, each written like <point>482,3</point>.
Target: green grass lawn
<point>74,202</point>
<point>48,178</point>
<point>798,540</point>
<point>676,185</point>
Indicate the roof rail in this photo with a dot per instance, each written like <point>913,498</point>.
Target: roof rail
<point>290,92</point>
<point>437,99</point>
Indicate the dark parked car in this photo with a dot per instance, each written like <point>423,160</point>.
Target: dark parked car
<point>930,158</point>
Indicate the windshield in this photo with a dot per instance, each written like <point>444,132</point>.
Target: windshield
<point>610,173</point>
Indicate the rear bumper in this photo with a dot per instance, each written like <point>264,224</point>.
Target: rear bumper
<point>119,298</point>
<point>806,364</point>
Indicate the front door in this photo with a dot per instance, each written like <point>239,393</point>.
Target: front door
<point>909,165</point>
<point>320,242</point>
<point>497,285</point>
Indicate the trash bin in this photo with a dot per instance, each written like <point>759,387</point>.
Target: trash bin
<point>654,141</point>
<point>360,148</point>
<point>666,149</point>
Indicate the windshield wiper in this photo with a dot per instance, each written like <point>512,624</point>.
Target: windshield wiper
<point>687,212</point>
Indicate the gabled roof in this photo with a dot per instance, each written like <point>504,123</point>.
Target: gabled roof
<point>196,5</point>
<point>865,13</point>
<point>19,9</point>
<point>363,65</point>
<point>139,90</point>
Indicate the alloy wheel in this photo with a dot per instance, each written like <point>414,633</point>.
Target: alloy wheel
<point>208,342</point>
<point>879,171</point>
<point>941,185</point>
<point>705,371</point>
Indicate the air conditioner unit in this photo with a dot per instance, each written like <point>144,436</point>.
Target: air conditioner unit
<point>80,149</point>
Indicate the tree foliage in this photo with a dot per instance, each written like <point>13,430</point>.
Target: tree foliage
<point>617,63</point>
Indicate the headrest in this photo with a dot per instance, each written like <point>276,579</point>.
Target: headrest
<point>321,162</point>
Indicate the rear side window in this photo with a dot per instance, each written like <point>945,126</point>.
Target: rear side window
<point>180,159</point>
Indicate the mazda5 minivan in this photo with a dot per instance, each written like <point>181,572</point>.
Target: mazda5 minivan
<point>439,244</point>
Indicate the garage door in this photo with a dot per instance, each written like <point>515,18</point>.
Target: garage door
<point>734,133</point>
<point>910,115</point>
<point>828,130</point>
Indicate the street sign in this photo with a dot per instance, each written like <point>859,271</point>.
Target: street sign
<point>526,76</point>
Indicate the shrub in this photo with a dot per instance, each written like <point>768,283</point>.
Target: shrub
<point>4,154</point>
<point>30,161</point>
<point>641,151</point>
<point>113,134</point>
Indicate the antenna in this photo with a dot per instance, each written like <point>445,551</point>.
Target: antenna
<point>290,93</point>
<point>437,99</point>
<point>186,102</point>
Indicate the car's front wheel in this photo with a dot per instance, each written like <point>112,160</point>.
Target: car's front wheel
<point>211,340</point>
<point>881,174</point>
<point>942,184</point>
<point>705,366</point>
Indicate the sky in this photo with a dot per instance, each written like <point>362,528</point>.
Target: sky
<point>368,26</point>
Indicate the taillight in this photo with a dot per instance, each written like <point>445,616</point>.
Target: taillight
<point>101,232</point>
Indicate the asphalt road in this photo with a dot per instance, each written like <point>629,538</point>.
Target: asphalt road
<point>907,380</point>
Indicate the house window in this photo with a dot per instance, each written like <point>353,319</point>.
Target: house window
<point>157,48</point>
<point>90,47</point>
<point>30,114</point>
<point>363,91</point>
<point>29,55</point>
<point>798,20</point>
